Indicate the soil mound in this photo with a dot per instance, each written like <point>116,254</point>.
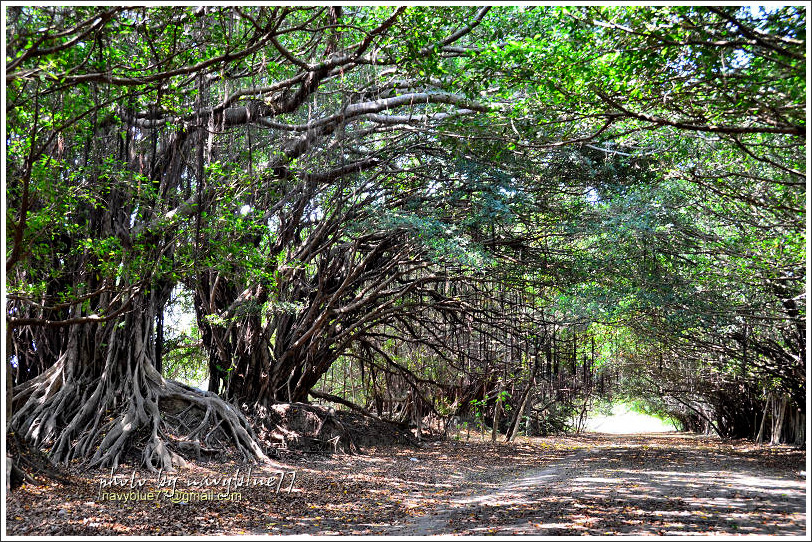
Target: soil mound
<point>300,427</point>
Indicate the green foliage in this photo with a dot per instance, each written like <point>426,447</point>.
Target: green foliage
<point>478,407</point>
<point>186,362</point>
<point>443,242</point>
<point>631,173</point>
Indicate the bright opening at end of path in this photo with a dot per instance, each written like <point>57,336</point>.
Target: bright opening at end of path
<point>625,420</point>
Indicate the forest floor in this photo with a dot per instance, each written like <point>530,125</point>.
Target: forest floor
<point>597,484</point>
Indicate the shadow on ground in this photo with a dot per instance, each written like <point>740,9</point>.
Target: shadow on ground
<point>633,484</point>
<point>566,485</point>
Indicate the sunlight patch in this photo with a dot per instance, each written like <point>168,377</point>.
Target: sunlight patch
<point>623,420</point>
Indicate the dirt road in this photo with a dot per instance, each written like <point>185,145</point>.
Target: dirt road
<point>566,485</point>
<point>632,484</point>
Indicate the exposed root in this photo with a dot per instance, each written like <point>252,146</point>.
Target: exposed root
<point>25,464</point>
<point>318,429</point>
<point>96,406</point>
<point>301,427</point>
<point>98,423</point>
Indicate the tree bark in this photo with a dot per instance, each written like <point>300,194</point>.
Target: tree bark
<point>778,424</point>
<point>497,411</point>
<point>104,398</point>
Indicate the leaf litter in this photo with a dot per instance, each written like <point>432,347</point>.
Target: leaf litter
<point>593,484</point>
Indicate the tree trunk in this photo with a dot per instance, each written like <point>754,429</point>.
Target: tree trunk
<point>760,436</point>
<point>513,431</point>
<point>778,424</point>
<point>103,398</point>
<point>497,411</point>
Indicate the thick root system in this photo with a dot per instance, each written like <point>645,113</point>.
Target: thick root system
<point>309,428</point>
<point>99,421</point>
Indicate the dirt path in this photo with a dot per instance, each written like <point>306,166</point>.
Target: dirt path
<point>632,484</point>
<point>566,485</point>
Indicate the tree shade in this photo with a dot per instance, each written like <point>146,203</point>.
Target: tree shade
<point>500,213</point>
